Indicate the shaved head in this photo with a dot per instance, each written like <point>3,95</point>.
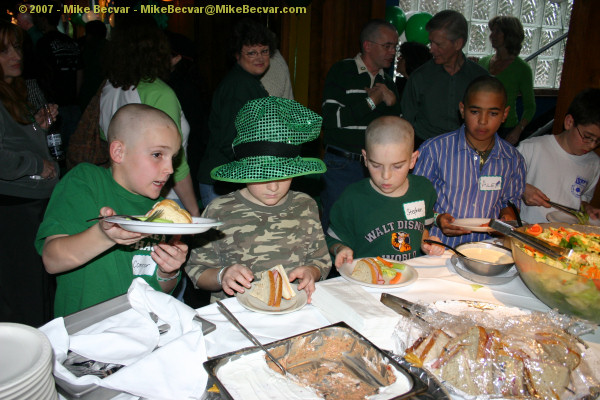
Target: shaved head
<point>131,121</point>
<point>390,130</point>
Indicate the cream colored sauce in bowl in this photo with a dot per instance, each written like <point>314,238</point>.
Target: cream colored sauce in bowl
<point>487,255</point>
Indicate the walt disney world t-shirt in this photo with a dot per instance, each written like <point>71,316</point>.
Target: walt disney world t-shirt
<point>372,224</point>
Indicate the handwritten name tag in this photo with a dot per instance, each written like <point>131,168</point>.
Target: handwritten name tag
<point>415,209</point>
<point>487,183</point>
<point>143,265</point>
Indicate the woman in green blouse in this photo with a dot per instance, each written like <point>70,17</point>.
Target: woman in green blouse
<point>507,38</point>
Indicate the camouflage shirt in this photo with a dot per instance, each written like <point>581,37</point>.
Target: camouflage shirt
<point>260,237</point>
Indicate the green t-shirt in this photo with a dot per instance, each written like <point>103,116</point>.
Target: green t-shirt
<point>77,197</point>
<point>372,224</point>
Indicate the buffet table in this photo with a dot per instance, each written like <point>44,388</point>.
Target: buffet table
<point>437,280</point>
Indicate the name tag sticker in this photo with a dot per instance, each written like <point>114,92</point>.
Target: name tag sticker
<point>414,210</point>
<point>487,183</point>
<point>143,265</point>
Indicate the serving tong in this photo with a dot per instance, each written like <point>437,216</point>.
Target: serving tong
<point>552,251</point>
<point>581,215</point>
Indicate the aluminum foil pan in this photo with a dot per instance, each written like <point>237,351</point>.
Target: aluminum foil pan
<point>311,353</point>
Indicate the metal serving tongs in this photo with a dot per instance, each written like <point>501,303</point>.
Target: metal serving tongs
<point>548,249</point>
<point>250,336</point>
<point>581,215</point>
<point>563,208</point>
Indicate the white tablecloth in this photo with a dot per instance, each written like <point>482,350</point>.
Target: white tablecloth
<point>437,281</point>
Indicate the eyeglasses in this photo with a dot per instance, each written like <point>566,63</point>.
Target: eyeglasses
<point>588,139</point>
<point>387,46</point>
<point>254,53</point>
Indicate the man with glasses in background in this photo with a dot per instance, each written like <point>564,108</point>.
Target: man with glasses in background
<point>564,168</point>
<point>432,92</point>
<point>357,91</point>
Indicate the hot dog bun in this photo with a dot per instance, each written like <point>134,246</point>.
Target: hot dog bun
<point>272,286</point>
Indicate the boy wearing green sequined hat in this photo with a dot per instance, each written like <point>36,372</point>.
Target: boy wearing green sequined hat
<point>265,224</point>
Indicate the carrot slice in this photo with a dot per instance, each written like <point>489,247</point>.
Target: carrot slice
<point>535,230</point>
<point>396,278</point>
<point>385,262</point>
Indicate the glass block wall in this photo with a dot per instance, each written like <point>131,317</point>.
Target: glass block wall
<point>543,21</point>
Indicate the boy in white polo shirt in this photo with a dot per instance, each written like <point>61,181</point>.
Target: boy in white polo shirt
<point>564,168</point>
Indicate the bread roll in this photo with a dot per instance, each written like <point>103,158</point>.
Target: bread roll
<point>172,212</point>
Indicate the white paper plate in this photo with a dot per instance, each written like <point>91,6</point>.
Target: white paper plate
<point>32,383</point>
<point>455,307</point>
<point>287,306</point>
<point>559,216</point>
<point>473,224</point>
<point>25,354</point>
<point>200,225</point>
<point>409,275</point>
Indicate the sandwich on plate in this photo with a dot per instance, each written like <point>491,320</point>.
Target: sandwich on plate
<point>171,213</point>
<point>378,271</point>
<point>272,286</point>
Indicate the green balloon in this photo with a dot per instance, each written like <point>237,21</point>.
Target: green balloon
<point>77,19</point>
<point>415,28</point>
<point>395,16</point>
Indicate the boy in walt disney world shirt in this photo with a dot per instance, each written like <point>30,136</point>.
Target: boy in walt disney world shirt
<point>388,214</point>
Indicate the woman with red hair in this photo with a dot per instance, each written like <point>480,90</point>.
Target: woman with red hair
<point>28,175</point>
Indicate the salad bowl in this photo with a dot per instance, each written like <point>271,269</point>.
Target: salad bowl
<point>569,285</point>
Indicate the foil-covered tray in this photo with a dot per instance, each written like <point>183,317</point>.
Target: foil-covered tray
<point>324,359</point>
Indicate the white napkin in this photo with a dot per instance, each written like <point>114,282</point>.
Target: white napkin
<point>350,303</point>
<point>129,338</point>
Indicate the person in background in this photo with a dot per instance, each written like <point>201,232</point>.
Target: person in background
<point>192,93</point>
<point>28,175</point>
<point>25,21</point>
<point>265,224</point>
<point>138,62</point>
<point>92,49</point>
<point>97,260</point>
<point>475,173</point>
<point>252,46</point>
<point>59,69</point>
<point>356,92</point>
<point>389,214</point>
<point>412,56</point>
<point>564,168</point>
<point>515,74</point>
<point>432,93</point>
<point>277,78</point>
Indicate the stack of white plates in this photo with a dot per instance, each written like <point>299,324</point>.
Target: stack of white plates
<point>25,363</point>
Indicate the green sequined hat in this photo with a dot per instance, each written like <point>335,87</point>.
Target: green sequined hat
<point>271,131</point>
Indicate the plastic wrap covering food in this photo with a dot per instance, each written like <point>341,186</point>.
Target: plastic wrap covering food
<point>488,351</point>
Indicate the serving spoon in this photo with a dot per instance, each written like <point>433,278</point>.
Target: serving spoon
<point>250,336</point>
<point>458,253</point>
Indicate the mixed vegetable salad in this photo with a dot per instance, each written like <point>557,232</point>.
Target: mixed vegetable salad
<point>585,259</point>
<point>573,286</point>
